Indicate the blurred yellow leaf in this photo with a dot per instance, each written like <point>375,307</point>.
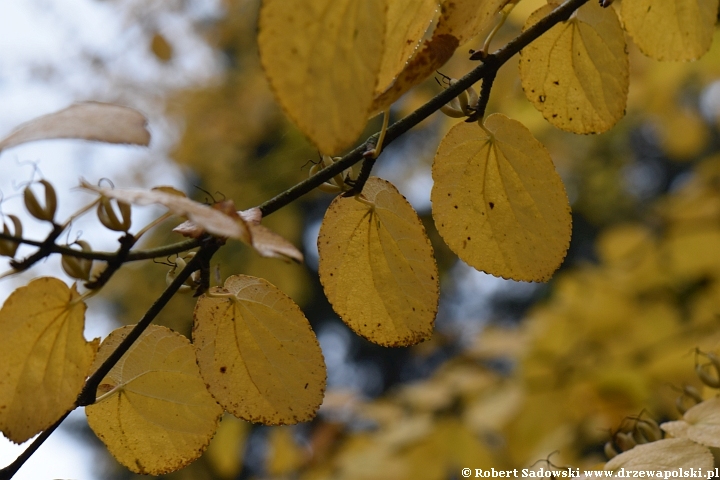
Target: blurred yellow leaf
<point>377,266</point>
<point>672,30</point>
<point>322,58</point>
<point>667,454</point>
<point>498,202</point>
<point>100,122</point>
<point>700,424</point>
<point>44,357</point>
<point>285,455</point>
<point>153,411</point>
<point>576,74</point>
<point>226,450</point>
<point>257,352</point>
<point>407,20</point>
<point>161,48</point>
<point>224,222</point>
<point>460,20</point>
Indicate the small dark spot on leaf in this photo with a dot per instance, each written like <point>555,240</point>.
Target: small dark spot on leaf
<point>306,385</point>
<point>541,99</point>
<point>223,369</point>
<point>456,207</point>
<point>556,82</point>
<point>492,205</point>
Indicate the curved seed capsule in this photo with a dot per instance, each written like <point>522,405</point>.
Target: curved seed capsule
<point>610,451</point>
<point>473,99</point>
<point>75,267</point>
<point>8,248</point>
<point>649,429</point>
<point>708,379</point>
<point>624,441</point>
<point>451,111</point>
<point>47,212</point>
<point>107,216</point>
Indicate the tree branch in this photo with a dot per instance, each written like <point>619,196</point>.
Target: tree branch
<point>397,129</point>
<point>210,245</point>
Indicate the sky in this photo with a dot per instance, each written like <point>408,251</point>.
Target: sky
<point>54,53</point>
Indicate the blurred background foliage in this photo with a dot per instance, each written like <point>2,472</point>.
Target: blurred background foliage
<point>514,371</point>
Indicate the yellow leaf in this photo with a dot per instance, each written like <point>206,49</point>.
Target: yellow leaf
<point>498,202</point>
<point>217,221</point>
<point>225,450</point>
<point>153,411</point>
<point>257,352</point>
<point>672,30</point>
<point>407,20</point>
<point>322,58</point>
<point>460,20</point>
<point>100,122</point>
<point>44,357</point>
<point>700,424</point>
<point>667,454</point>
<point>285,455</point>
<point>377,266</point>
<point>576,74</point>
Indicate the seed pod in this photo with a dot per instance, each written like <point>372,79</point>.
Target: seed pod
<point>649,429</point>
<point>172,273</point>
<point>47,212</point>
<point>107,216</point>
<point>624,441</point>
<point>76,267</point>
<point>610,451</point>
<point>705,376</point>
<point>8,248</point>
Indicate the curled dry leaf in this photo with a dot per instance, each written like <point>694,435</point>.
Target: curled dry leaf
<point>100,122</point>
<point>153,411</point>
<point>257,352</point>
<point>44,357</point>
<point>266,242</point>
<point>667,454</point>
<point>211,219</point>
<point>700,424</point>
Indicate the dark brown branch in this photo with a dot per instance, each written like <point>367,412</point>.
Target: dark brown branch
<point>44,250</point>
<point>203,256</point>
<point>126,243</point>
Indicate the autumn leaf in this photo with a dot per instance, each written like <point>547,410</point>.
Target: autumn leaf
<point>667,454</point>
<point>576,74</point>
<point>498,202</point>
<point>377,266</point>
<point>460,20</point>
<point>322,58</point>
<point>44,357</point>
<point>100,122</point>
<point>700,424</point>
<point>153,411</point>
<point>257,352</point>
<point>212,220</point>
<point>674,30</point>
<point>407,20</point>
